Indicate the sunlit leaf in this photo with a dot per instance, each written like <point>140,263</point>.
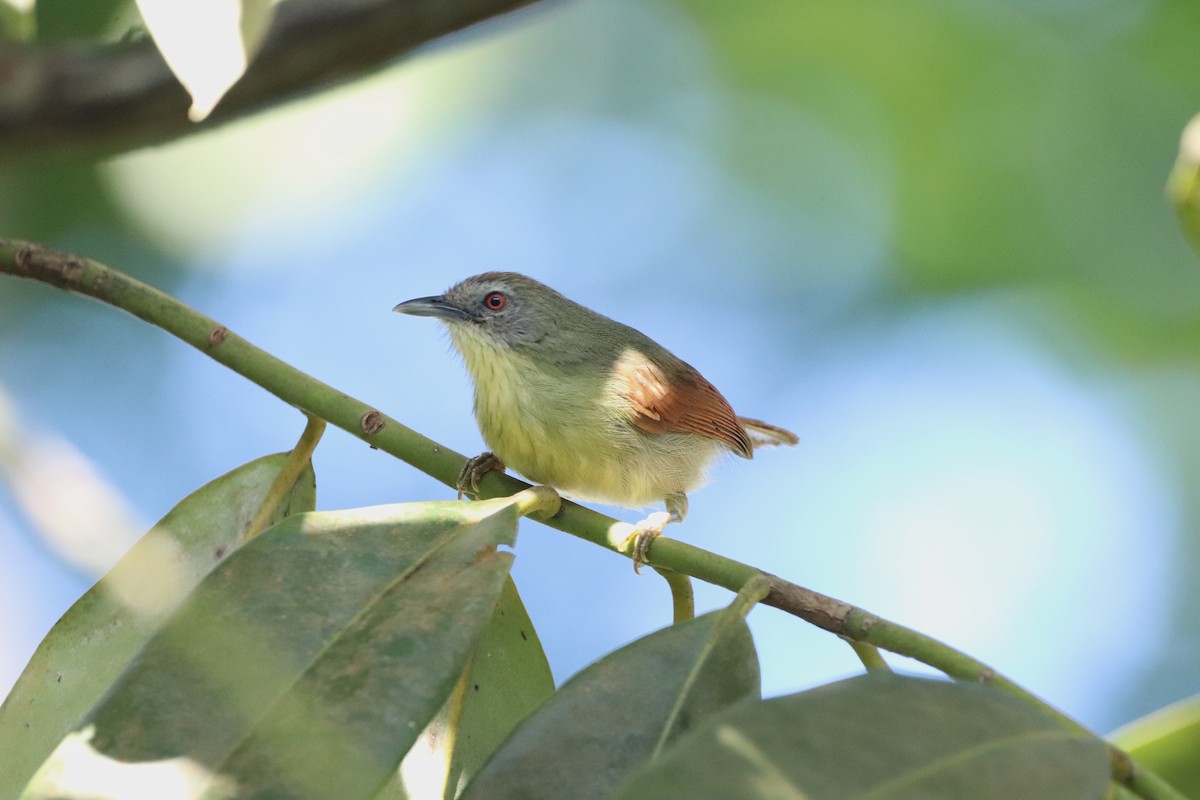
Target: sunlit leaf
<point>1168,743</point>
<point>616,713</point>
<point>97,638</point>
<point>307,663</point>
<point>880,736</point>
<point>207,43</point>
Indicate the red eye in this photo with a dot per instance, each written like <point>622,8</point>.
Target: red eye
<point>495,301</point>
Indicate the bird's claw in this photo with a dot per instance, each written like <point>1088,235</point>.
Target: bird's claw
<point>643,535</point>
<point>468,477</point>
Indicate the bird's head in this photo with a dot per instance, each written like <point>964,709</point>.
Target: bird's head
<point>500,309</point>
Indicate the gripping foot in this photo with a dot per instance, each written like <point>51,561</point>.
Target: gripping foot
<point>649,529</point>
<point>644,534</point>
<point>475,468</point>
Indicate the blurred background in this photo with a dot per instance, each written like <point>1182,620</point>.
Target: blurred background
<point>930,238</point>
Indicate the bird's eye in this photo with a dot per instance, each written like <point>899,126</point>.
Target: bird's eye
<point>495,301</point>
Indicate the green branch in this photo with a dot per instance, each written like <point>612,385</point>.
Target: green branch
<point>87,277</point>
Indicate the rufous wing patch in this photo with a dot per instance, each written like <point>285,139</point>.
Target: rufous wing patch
<point>681,400</point>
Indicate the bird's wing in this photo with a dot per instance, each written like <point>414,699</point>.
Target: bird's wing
<point>680,399</point>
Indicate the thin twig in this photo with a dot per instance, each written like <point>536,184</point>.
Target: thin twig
<point>298,458</point>
<point>683,598</point>
<point>869,655</point>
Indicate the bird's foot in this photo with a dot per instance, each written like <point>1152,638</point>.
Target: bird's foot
<point>643,535</point>
<point>475,468</point>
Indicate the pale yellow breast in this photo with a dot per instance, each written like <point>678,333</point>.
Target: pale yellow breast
<point>570,432</point>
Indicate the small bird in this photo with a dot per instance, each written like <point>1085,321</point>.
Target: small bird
<point>581,403</point>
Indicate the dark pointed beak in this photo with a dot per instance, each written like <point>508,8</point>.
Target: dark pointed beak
<point>433,307</point>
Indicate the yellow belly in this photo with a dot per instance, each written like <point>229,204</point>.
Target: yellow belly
<point>571,433</point>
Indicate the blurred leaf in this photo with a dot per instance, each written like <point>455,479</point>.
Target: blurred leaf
<point>97,638</point>
<point>1167,742</point>
<point>616,713</point>
<point>1183,185</point>
<point>303,666</point>
<point>207,43</point>
<point>1011,147</point>
<point>886,736</point>
<point>17,20</point>
<point>509,677</point>
<point>67,201</point>
<point>80,19</point>
<point>44,198</point>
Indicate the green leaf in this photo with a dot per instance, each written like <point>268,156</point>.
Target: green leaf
<point>97,638</point>
<point>207,43</point>
<point>1167,742</point>
<point>17,22</point>
<point>882,737</point>
<point>1183,184</point>
<point>305,665</point>
<point>509,677</point>
<point>618,712</point>
<point>81,19</point>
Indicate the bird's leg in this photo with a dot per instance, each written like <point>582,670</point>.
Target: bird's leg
<point>649,529</point>
<point>475,468</point>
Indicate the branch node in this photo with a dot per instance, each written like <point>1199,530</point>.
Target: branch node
<point>371,422</point>
<point>23,257</point>
<point>217,335</point>
<point>824,612</point>
<point>62,270</point>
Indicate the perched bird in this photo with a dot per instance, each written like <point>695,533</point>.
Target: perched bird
<point>579,402</point>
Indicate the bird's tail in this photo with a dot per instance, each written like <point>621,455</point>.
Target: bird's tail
<point>765,435</point>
